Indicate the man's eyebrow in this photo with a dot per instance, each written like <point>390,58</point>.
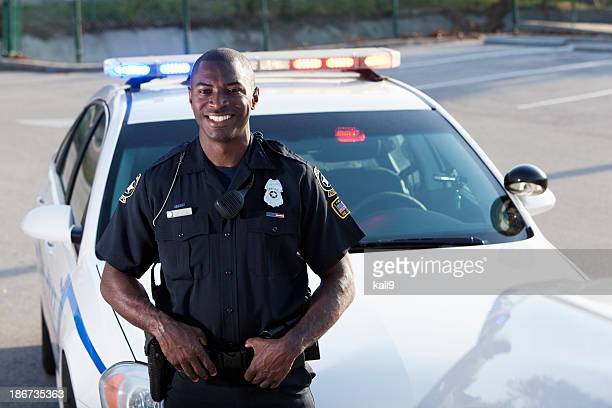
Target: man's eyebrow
<point>229,84</point>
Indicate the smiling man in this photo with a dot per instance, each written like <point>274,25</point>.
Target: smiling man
<point>234,220</point>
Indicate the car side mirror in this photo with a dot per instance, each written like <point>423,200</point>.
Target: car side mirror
<point>52,223</point>
<point>526,180</point>
<point>530,184</point>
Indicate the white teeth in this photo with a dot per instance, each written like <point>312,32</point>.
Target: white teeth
<point>219,118</point>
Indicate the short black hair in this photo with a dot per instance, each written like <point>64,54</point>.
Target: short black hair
<point>228,56</point>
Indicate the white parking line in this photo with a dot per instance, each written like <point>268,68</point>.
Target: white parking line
<point>566,99</point>
<point>515,74</point>
<point>481,55</point>
<point>50,123</point>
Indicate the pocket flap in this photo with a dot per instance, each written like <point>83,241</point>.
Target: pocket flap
<point>181,229</point>
<point>273,226</point>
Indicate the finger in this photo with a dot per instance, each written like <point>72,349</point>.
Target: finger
<point>250,342</point>
<point>186,368</point>
<point>207,363</point>
<point>250,373</point>
<point>259,378</point>
<point>199,369</point>
<point>264,384</point>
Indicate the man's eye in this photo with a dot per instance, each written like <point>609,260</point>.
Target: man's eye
<point>204,91</point>
<point>234,90</point>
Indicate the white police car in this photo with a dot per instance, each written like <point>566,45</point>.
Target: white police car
<point>410,174</point>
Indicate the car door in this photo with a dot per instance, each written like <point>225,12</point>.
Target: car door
<point>68,180</point>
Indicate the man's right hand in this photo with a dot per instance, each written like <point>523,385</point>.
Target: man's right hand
<point>183,347</point>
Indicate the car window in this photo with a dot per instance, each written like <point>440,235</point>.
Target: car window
<point>81,189</point>
<point>403,174</point>
<point>75,144</point>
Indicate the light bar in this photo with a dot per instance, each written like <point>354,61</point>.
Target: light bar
<point>175,68</point>
<point>342,59</point>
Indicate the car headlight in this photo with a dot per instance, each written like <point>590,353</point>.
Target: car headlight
<point>126,385</point>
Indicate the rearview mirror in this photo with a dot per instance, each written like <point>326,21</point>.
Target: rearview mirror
<point>52,223</point>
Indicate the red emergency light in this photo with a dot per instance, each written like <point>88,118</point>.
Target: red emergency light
<point>349,135</point>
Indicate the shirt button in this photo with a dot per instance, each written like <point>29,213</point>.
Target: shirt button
<point>229,309</point>
<point>228,273</point>
<point>274,229</point>
<point>227,235</point>
<point>180,235</point>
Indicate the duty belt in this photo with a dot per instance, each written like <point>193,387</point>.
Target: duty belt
<point>231,365</point>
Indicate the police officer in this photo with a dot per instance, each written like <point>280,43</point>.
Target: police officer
<point>233,219</point>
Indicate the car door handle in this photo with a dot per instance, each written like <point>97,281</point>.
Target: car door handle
<point>40,200</point>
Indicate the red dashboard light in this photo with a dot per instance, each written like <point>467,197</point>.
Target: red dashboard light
<point>349,135</point>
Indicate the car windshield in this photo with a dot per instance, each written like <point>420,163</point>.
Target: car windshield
<point>405,175</point>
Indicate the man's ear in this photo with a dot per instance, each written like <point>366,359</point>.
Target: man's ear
<point>189,93</point>
<point>255,97</point>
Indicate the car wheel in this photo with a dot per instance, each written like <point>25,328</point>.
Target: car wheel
<point>69,401</point>
<point>48,361</point>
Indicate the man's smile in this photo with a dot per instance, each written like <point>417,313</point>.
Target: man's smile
<point>218,119</point>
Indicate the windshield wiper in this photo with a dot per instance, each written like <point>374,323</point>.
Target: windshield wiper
<point>421,243</point>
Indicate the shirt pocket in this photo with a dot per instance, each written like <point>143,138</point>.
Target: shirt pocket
<point>272,245</point>
<point>184,247</point>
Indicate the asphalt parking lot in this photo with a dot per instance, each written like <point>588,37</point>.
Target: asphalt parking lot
<point>546,105</point>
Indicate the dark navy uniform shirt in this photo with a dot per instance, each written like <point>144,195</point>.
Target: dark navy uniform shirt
<point>233,278</point>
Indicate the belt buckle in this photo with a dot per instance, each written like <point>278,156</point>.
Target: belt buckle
<point>232,360</point>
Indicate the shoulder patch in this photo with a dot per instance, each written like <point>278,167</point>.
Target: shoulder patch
<point>325,184</point>
<point>129,191</point>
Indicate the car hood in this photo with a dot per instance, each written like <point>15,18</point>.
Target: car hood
<point>535,351</point>
<point>390,351</point>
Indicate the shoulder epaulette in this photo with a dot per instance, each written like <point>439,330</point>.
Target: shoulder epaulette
<point>173,152</point>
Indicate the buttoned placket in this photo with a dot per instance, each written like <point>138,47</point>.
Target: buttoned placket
<point>226,262</point>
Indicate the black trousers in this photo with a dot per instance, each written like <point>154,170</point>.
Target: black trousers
<point>293,392</point>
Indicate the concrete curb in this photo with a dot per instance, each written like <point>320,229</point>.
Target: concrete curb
<point>29,65</point>
<point>596,44</point>
<point>561,27</point>
<point>509,39</point>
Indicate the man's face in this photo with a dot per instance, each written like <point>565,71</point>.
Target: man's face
<point>222,97</point>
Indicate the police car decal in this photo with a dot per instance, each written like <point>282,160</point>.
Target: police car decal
<point>129,190</point>
<point>274,193</point>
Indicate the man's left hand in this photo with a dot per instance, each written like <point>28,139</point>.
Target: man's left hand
<point>272,360</point>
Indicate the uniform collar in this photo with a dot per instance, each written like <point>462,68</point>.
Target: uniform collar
<point>255,157</point>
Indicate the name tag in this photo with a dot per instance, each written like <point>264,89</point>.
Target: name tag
<point>181,212</point>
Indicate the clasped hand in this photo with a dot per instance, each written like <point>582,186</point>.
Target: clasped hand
<point>272,360</point>
<point>183,347</point>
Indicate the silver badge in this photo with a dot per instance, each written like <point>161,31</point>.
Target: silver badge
<point>273,195</point>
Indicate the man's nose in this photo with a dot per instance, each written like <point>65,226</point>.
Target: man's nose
<point>217,99</point>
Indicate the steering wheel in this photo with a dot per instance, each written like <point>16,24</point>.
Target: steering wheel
<point>385,201</point>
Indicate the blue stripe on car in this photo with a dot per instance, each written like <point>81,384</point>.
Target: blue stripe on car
<point>68,293</point>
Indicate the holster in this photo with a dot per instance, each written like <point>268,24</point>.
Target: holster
<point>160,370</point>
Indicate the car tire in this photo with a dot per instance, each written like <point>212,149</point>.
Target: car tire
<point>69,401</point>
<point>48,361</point>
